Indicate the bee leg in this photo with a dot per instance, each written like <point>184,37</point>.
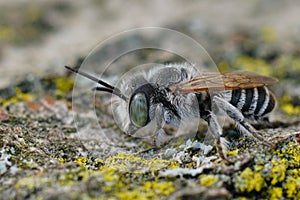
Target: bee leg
<point>161,138</point>
<point>243,126</point>
<point>249,129</point>
<point>216,130</point>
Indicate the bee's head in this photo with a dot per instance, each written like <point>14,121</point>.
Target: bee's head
<point>150,102</point>
<point>139,103</point>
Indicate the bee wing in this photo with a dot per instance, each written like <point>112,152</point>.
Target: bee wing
<point>227,81</point>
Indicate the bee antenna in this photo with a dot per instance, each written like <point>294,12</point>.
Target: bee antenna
<point>115,92</point>
<point>90,77</point>
<point>107,87</point>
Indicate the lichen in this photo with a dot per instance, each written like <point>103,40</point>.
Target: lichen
<point>233,152</point>
<point>173,165</point>
<point>81,161</point>
<point>292,184</point>
<point>287,106</point>
<point>208,180</point>
<point>18,97</point>
<point>275,193</point>
<point>252,64</point>
<point>63,85</point>
<point>268,34</point>
<point>149,190</point>
<point>290,153</point>
<point>249,181</point>
<point>287,66</point>
<point>158,188</point>
<point>61,160</point>
<point>278,171</point>
<point>279,177</point>
<point>125,162</point>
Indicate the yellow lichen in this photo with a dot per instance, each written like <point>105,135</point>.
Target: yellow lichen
<point>275,193</point>
<point>252,64</point>
<point>223,67</point>
<point>111,179</point>
<point>124,195</point>
<point>287,106</point>
<point>63,85</point>
<point>268,34</point>
<point>291,154</point>
<point>135,164</point>
<point>108,173</point>
<point>208,180</point>
<point>114,176</point>
<point>278,171</point>
<point>99,162</point>
<point>292,187</point>
<point>61,160</point>
<point>19,96</point>
<point>292,184</point>
<point>290,109</point>
<point>233,152</point>
<point>30,182</point>
<point>149,190</point>
<point>158,188</point>
<point>81,161</point>
<point>173,165</point>
<point>6,33</point>
<point>285,62</point>
<point>249,181</point>
<point>258,168</point>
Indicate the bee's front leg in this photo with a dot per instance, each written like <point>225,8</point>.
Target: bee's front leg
<point>162,138</point>
<point>216,130</point>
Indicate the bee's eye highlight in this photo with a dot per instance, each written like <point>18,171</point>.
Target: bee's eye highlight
<point>138,110</point>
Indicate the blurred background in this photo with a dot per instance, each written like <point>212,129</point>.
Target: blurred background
<point>38,38</point>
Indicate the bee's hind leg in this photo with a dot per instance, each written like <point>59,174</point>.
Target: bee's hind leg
<point>243,126</point>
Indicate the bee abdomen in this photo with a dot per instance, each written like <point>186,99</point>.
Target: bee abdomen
<point>268,104</point>
<point>254,103</point>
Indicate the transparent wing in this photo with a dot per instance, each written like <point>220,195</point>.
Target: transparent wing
<point>227,81</point>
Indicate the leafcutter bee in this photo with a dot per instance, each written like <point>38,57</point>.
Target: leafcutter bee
<point>169,94</point>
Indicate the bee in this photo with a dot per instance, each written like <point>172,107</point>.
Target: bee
<point>165,95</point>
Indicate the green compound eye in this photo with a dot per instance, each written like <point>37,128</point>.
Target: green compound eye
<point>138,110</point>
